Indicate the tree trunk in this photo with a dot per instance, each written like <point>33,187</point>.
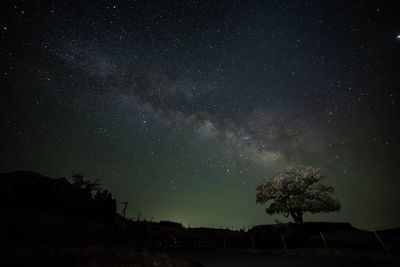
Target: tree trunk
<point>297,216</point>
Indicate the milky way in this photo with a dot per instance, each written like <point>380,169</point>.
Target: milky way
<point>181,108</point>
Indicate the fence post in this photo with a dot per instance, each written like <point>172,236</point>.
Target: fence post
<point>283,241</point>
<point>252,241</point>
<point>323,239</point>
<point>382,244</point>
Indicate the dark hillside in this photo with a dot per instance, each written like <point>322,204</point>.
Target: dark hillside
<point>33,192</point>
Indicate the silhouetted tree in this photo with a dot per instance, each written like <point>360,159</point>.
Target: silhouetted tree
<point>101,204</point>
<point>87,185</point>
<point>296,191</point>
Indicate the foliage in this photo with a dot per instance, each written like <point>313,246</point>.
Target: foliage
<point>87,185</point>
<point>295,191</point>
<point>103,203</point>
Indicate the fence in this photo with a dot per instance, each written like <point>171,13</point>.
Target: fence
<point>380,242</point>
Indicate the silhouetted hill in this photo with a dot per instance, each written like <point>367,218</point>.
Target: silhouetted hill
<point>33,192</point>
<point>289,229</point>
<point>52,222</point>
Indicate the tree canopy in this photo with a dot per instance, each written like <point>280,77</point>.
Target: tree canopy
<point>295,191</point>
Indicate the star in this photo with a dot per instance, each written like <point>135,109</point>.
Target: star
<point>213,97</point>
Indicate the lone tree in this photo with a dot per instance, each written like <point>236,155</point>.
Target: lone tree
<point>296,191</point>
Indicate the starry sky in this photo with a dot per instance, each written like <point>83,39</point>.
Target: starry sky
<point>182,107</point>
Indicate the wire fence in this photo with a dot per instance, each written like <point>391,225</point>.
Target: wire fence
<point>379,242</point>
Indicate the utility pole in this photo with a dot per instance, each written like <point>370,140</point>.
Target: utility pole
<point>123,212</point>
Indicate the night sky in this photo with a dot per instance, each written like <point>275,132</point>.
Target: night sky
<point>183,107</point>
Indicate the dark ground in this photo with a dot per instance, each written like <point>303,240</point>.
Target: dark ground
<point>282,258</point>
<point>215,259</point>
<point>124,257</point>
